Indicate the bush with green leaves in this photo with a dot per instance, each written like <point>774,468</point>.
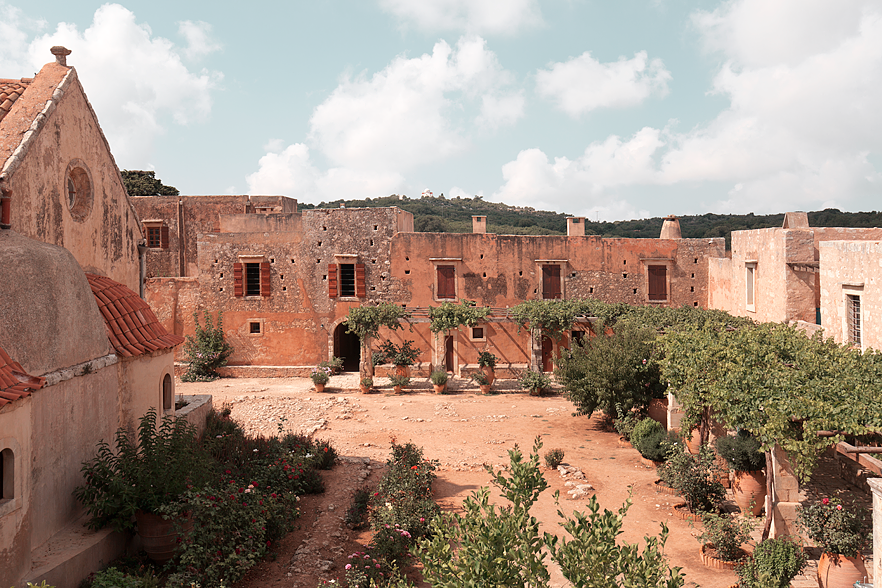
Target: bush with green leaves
<point>741,452</point>
<point>534,382</point>
<point>727,533</point>
<point>657,444</point>
<point>625,421</point>
<point>399,380</point>
<point>335,364</point>
<point>773,564</point>
<point>618,368</point>
<point>206,350</point>
<point>502,546</point>
<point>486,359</point>
<point>357,514</point>
<point>554,457</point>
<point>480,378</point>
<point>835,528</point>
<point>645,427</point>
<point>365,570</point>
<point>404,354</point>
<point>695,478</point>
<point>438,377</point>
<point>452,315</point>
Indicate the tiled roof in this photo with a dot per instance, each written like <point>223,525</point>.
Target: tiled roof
<point>10,90</point>
<point>132,327</point>
<point>14,382</point>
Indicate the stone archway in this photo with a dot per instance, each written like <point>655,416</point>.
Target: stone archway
<point>347,346</point>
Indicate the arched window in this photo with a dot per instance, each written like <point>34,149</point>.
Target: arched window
<point>167,394</point>
<point>7,475</point>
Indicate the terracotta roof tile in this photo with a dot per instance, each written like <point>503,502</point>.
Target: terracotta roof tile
<point>132,327</point>
<point>15,383</point>
<point>10,91</point>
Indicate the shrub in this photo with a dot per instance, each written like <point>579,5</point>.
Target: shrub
<point>618,368</point>
<point>357,514</point>
<point>694,477</point>
<point>741,452</point>
<point>392,544</point>
<point>397,380</point>
<point>404,354</point>
<point>534,382</point>
<point>773,564</point>
<point>644,428</point>
<point>727,533</point>
<point>206,350</point>
<point>438,377</point>
<point>625,421</point>
<point>403,498</point>
<point>323,454</point>
<point>365,570</point>
<point>835,528</point>
<point>486,359</point>
<point>367,381</point>
<point>114,578</point>
<point>480,378</point>
<point>554,457</point>
<point>335,364</point>
<point>657,445</point>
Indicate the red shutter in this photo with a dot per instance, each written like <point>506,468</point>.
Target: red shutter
<point>238,285</point>
<point>658,283</point>
<point>163,237</point>
<point>360,290</point>
<point>332,280</point>
<point>264,279</point>
<point>551,282</point>
<point>446,281</point>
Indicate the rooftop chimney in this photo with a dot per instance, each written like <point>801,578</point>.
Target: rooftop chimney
<point>576,226</point>
<point>796,220</point>
<point>670,228</point>
<point>479,224</point>
<point>60,54</point>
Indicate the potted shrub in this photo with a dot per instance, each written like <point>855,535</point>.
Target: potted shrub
<point>320,377</point>
<point>487,363</point>
<point>398,382</point>
<point>534,382</point>
<point>742,454</point>
<point>133,481</point>
<point>773,564</point>
<point>365,384</point>
<point>401,356</point>
<point>722,539</point>
<point>841,532</point>
<point>335,363</point>
<point>693,477</point>
<point>482,381</point>
<point>439,381</point>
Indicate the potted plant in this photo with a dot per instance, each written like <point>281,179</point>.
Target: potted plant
<point>773,564</point>
<point>841,532</point>
<point>693,477</point>
<point>320,377</point>
<point>482,381</point>
<point>401,356</point>
<point>722,539</point>
<point>365,384</point>
<point>335,363</point>
<point>126,486</point>
<point>398,382</point>
<point>742,454</point>
<point>439,381</point>
<point>487,363</point>
<point>535,382</point>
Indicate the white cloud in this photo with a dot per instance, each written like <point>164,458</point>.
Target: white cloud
<point>292,173</point>
<point>500,110</point>
<point>408,114</point>
<point>486,17</point>
<point>583,84</point>
<point>199,41</point>
<point>134,80</point>
<point>15,28</point>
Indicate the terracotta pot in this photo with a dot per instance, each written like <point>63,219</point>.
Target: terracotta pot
<point>838,571</point>
<point>439,388</point>
<point>693,443</point>
<point>396,389</point>
<point>402,370</point>
<point>662,488</point>
<point>485,388</point>
<point>490,373</point>
<point>749,490</point>
<point>319,387</point>
<point>709,559</point>
<point>364,389</point>
<point>159,536</point>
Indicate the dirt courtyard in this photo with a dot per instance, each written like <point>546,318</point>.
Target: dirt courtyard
<point>463,431</point>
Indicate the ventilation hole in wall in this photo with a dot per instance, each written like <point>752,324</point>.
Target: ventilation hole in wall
<point>373,288</point>
<point>281,276</point>
<point>696,261</point>
<point>318,260</point>
<point>624,262</point>
<point>319,243</point>
<point>625,276</point>
<point>535,290</point>
<point>372,242</point>
<point>222,274</point>
<point>406,272</point>
<point>635,290</point>
<point>520,273</point>
<point>373,261</point>
<point>272,260</point>
<point>382,277</point>
<point>403,306</point>
<point>292,261</point>
<point>591,290</point>
<point>692,289</point>
<point>406,258</point>
<point>693,276</point>
<point>325,277</point>
<point>573,275</point>
<point>482,256</point>
<point>284,288</point>
<point>376,227</point>
<point>695,303</point>
<point>220,289</point>
<point>215,261</point>
<point>484,275</point>
<point>324,228</point>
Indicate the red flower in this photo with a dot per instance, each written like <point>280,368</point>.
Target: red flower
<point>414,467</point>
<point>826,501</point>
<point>838,507</point>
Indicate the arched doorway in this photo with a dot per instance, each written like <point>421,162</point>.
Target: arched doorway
<point>346,345</point>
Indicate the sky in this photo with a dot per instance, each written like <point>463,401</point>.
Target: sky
<point>608,110</point>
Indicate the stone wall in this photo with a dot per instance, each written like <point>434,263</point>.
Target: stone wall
<point>855,268</point>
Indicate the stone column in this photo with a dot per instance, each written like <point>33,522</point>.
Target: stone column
<point>876,487</point>
<point>786,495</point>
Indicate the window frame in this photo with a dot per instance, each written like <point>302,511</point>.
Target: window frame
<point>852,293</point>
<point>437,264</point>
<point>334,276</point>
<point>750,285</point>
<point>544,267</point>
<point>449,280</point>
<point>240,277</point>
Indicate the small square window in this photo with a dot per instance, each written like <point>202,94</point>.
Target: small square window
<point>696,260</point>
<point>478,334</point>
<point>406,272</point>
<point>222,274</point>
<point>625,276</point>
<point>591,289</point>
<point>376,227</point>
<point>254,328</point>
<point>284,288</point>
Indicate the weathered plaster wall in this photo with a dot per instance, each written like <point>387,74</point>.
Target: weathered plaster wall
<point>854,267</point>
<point>105,240</point>
<point>720,290</point>
<point>140,386</point>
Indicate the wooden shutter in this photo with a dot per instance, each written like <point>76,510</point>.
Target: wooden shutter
<point>360,290</point>
<point>163,237</point>
<point>238,282</point>
<point>551,282</point>
<point>446,281</point>
<point>658,283</point>
<point>264,279</point>
<point>332,280</point>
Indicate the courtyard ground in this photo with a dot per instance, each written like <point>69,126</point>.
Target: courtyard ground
<point>464,431</point>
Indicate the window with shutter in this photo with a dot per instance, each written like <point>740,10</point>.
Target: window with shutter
<point>252,279</point>
<point>163,237</point>
<point>264,279</point>
<point>347,279</point>
<point>238,279</point>
<point>446,281</point>
<point>154,237</point>
<point>658,283</point>
<point>360,290</point>
<point>853,318</point>
<point>551,282</point>
<point>332,280</point>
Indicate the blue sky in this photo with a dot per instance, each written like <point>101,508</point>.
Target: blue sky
<point>611,110</point>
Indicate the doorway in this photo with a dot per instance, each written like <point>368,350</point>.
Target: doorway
<point>547,354</point>
<point>347,346</point>
<point>449,363</point>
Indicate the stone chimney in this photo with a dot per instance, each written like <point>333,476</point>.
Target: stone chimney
<point>479,224</point>
<point>670,228</point>
<point>796,220</point>
<point>576,226</point>
<point>60,54</point>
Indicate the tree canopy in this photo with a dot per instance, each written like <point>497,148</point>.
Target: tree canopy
<point>145,183</point>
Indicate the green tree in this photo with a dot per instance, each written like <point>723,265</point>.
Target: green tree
<point>206,349</point>
<point>144,183</point>
<point>365,322</point>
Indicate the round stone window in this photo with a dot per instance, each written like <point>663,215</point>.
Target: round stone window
<point>78,189</point>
